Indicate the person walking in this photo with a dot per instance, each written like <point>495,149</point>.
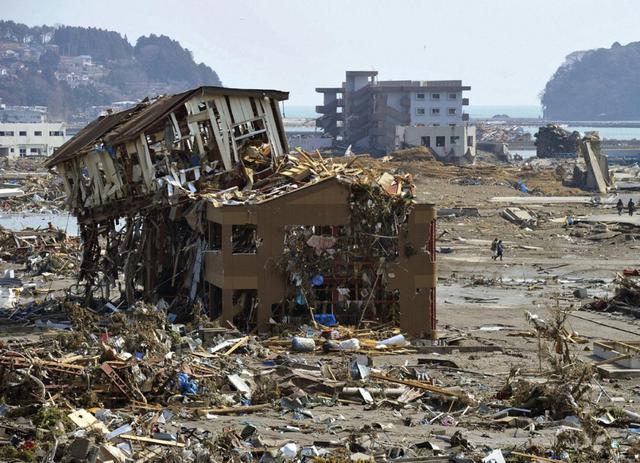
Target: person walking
<point>494,249</point>
<point>631,206</point>
<point>499,250</point>
<point>620,206</point>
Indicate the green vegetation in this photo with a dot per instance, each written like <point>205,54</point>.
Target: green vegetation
<point>37,68</point>
<point>597,84</point>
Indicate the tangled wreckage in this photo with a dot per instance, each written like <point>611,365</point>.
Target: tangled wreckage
<point>194,199</point>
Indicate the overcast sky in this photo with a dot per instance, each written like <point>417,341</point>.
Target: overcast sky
<point>505,49</point>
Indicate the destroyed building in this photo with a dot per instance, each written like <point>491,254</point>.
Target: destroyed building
<point>192,200</point>
<point>553,141</point>
<point>365,112</point>
<point>591,171</point>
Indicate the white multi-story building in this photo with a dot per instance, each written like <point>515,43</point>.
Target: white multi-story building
<point>31,139</point>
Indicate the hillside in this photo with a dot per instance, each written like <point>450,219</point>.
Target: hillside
<point>599,84</point>
<point>77,71</point>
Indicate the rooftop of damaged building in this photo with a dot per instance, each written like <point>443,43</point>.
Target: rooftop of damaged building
<point>117,127</point>
<point>172,144</point>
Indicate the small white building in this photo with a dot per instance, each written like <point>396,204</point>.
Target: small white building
<point>31,139</point>
<point>448,142</point>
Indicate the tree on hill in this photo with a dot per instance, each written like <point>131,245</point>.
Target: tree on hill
<point>101,44</point>
<point>599,84</point>
<point>164,59</point>
<point>155,65</point>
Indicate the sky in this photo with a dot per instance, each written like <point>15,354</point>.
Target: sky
<point>506,50</point>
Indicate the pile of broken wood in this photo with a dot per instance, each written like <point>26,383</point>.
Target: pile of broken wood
<point>626,299</point>
<point>49,249</point>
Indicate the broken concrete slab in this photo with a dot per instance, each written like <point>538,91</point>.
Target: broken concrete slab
<point>520,217</point>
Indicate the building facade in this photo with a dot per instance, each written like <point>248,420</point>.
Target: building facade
<point>31,139</point>
<point>364,112</point>
<point>448,142</point>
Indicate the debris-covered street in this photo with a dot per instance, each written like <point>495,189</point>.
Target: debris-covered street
<point>529,365</point>
<point>227,298</point>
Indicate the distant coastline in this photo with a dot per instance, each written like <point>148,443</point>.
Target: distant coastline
<point>475,111</point>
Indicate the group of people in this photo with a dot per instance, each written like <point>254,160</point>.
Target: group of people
<point>497,249</point>
<point>631,206</point>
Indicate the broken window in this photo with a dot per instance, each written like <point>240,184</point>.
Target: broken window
<point>243,239</point>
<point>245,304</point>
<point>470,140</point>
<point>454,140</point>
<point>215,236</point>
<point>435,111</point>
<point>452,111</point>
<point>440,141</point>
<point>425,141</point>
<point>215,299</point>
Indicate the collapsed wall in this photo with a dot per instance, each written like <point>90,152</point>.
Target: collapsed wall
<point>552,141</point>
<point>591,171</point>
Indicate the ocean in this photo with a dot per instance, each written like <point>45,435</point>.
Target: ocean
<point>528,111</point>
<point>488,111</point>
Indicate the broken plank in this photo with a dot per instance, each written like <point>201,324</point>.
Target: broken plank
<point>418,385</point>
<point>150,440</point>
<point>233,410</point>
<point>237,345</point>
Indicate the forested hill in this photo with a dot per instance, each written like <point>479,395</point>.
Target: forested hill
<point>71,69</point>
<point>601,84</point>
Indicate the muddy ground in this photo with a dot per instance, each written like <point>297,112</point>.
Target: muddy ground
<point>484,302</point>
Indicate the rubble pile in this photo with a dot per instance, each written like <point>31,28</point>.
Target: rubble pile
<point>237,302</point>
<point>493,133</point>
<point>41,250</point>
<point>115,384</point>
<point>626,299</point>
<point>554,141</point>
<point>41,193</point>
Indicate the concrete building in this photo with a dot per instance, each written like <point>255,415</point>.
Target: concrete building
<point>448,142</point>
<point>364,112</point>
<point>31,139</point>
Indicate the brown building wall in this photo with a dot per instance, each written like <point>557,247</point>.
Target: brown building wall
<point>322,203</point>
